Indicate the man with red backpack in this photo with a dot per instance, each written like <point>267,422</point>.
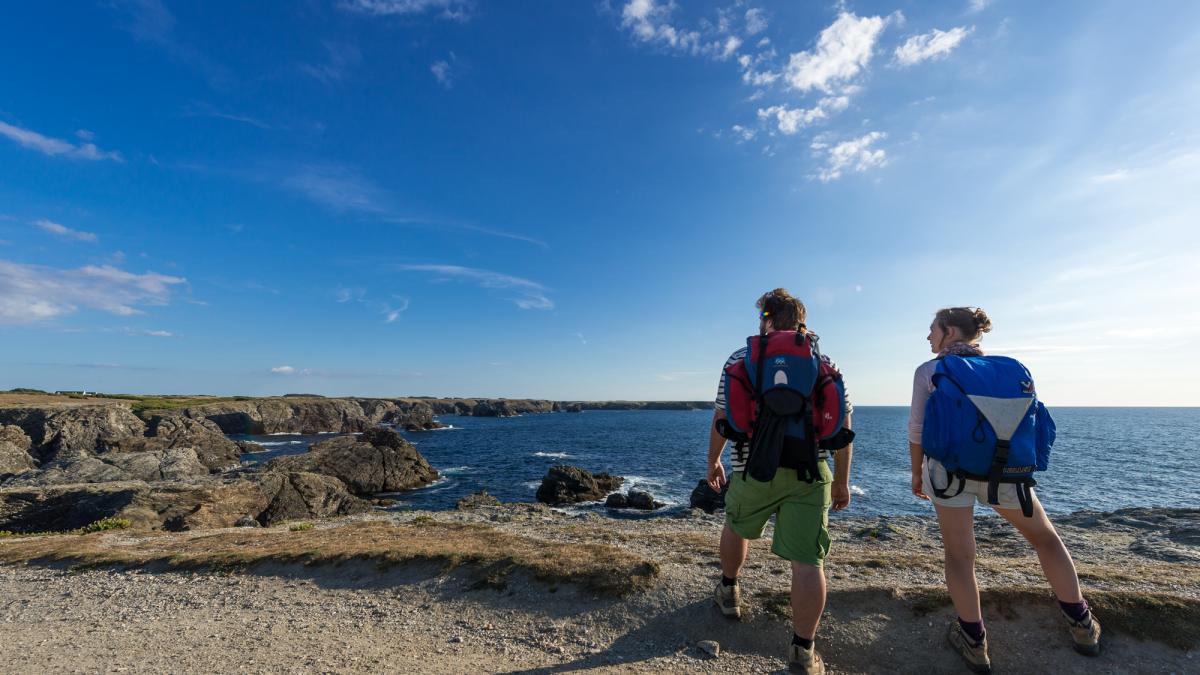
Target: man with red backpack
<point>783,406</point>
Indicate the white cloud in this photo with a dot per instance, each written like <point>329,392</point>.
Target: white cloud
<point>730,47</point>
<point>936,44</point>
<point>392,312</point>
<point>342,57</point>
<point>791,120</point>
<point>337,187</point>
<point>289,370</point>
<point>744,133</point>
<point>150,333</point>
<point>64,231</point>
<point>443,71</point>
<point>853,155</point>
<point>33,293</point>
<point>650,22</point>
<point>974,6</point>
<point>55,146</point>
<point>843,50</point>
<point>756,21</point>
<point>446,9</point>
<point>529,294</point>
<point>1112,177</point>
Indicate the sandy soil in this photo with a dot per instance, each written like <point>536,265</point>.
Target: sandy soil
<point>419,618</point>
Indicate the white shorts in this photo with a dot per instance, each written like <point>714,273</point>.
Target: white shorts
<point>973,489</point>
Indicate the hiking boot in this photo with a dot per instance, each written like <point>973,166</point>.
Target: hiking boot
<point>729,599</point>
<point>805,661</point>
<point>1086,635</point>
<point>975,655</point>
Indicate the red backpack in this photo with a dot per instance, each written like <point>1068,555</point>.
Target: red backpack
<point>785,401</point>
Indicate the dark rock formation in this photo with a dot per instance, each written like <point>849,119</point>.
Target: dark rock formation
<point>297,415</point>
<point>249,447</point>
<point>63,433</point>
<point>573,408</point>
<point>14,450</point>
<point>477,499</point>
<point>703,497</point>
<point>175,464</point>
<point>565,484</point>
<point>214,450</point>
<point>378,461</point>
<point>493,409</point>
<point>298,495</point>
<point>636,499</point>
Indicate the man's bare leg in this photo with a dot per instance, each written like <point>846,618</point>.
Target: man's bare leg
<point>808,598</point>
<point>733,552</point>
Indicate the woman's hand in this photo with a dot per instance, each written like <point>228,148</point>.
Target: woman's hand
<point>840,493</point>
<point>918,490</point>
<point>716,476</point>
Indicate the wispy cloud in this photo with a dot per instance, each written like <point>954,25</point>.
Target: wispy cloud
<point>582,340</point>
<point>528,294</point>
<point>854,155</point>
<point>444,71</point>
<point>791,120</point>
<point>34,293</point>
<point>976,6</point>
<point>345,190</point>
<point>151,22</point>
<point>650,22</point>
<point>64,231</point>
<point>458,10</point>
<point>1112,176</point>
<point>288,370</point>
<point>936,44</point>
<point>389,309</point>
<point>339,188</point>
<point>207,110</point>
<point>843,51</point>
<point>341,57</point>
<point>55,147</point>
<point>149,333</point>
<point>756,21</point>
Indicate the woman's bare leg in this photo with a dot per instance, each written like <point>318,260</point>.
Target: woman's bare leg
<point>1056,560</point>
<point>958,540</point>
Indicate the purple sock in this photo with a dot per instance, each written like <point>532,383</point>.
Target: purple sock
<point>973,629</point>
<point>1078,611</point>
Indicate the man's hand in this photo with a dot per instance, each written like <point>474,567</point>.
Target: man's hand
<point>841,495</point>
<point>716,476</point>
<point>917,489</point>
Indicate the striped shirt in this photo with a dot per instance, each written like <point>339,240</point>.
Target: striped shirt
<point>738,459</point>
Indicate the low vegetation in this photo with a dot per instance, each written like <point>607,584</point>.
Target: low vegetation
<point>494,554</point>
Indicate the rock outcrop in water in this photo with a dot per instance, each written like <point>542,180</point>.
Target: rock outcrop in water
<point>705,498</point>
<point>565,484</point>
<point>378,461</point>
<point>635,499</point>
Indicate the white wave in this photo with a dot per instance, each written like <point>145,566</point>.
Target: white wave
<point>533,484</point>
<point>270,444</point>
<point>453,470</point>
<point>448,427</point>
<point>855,490</point>
<point>555,455</point>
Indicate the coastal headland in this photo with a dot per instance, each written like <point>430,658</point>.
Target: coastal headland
<point>135,539</point>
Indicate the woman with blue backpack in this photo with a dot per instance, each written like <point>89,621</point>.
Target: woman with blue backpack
<point>977,432</point>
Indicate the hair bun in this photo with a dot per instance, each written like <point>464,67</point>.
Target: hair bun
<point>982,322</point>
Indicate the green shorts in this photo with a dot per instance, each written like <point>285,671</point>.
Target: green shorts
<point>801,512</point>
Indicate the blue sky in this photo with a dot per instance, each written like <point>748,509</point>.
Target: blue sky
<point>582,200</point>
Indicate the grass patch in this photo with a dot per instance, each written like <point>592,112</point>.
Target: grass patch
<point>300,527</point>
<point>595,566</point>
<point>1168,619</point>
<point>99,526</point>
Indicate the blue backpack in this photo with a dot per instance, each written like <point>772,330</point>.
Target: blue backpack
<point>984,422</point>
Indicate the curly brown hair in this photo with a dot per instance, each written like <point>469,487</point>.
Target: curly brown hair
<point>972,322</point>
<point>783,310</point>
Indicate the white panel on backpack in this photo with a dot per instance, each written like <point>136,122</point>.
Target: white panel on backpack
<point>781,378</point>
<point>1004,414</point>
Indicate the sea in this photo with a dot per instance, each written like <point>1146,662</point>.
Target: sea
<point>1104,459</point>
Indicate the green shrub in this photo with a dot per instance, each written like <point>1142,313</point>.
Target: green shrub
<point>300,527</point>
<point>106,524</point>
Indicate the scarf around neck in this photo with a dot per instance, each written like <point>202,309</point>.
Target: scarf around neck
<point>961,349</point>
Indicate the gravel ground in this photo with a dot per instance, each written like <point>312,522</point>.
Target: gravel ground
<point>356,618</point>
